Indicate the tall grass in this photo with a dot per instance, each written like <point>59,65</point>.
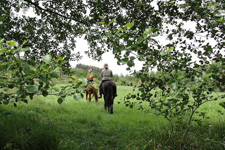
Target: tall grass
<point>77,125</point>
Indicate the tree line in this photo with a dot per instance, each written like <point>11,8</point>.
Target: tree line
<point>81,70</point>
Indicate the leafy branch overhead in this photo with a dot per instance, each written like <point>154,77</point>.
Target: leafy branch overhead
<point>20,80</point>
<point>53,26</point>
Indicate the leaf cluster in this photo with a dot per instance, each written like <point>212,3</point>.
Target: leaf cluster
<point>20,80</point>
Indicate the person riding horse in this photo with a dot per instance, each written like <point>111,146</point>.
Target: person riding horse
<point>90,87</point>
<point>106,75</point>
<point>90,76</point>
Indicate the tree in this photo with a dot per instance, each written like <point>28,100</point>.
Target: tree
<point>51,30</point>
<point>191,63</point>
<point>184,83</point>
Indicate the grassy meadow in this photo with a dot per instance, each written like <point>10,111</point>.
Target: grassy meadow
<point>43,124</point>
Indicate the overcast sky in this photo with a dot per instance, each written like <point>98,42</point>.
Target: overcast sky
<point>108,57</point>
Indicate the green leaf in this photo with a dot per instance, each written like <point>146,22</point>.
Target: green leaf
<point>57,69</point>
<point>208,75</point>
<point>101,22</point>
<point>162,53</point>
<point>12,51</point>
<point>121,48</point>
<point>59,59</point>
<point>130,63</point>
<point>77,97</point>
<point>45,93</point>
<point>47,59</point>
<point>121,34</point>
<point>220,19</point>
<point>119,30</point>
<point>198,84</point>
<point>25,49</point>
<point>172,3</point>
<point>174,86</point>
<point>147,32</point>
<point>26,69</point>
<point>173,101</point>
<point>1,97</point>
<point>18,93</point>
<point>25,101</point>
<point>12,100</point>
<point>45,68</point>
<point>32,89</point>
<point>133,31</point>
<point>222,104</point>
<point>124,61</point>
<point>12,43</point>
<point>2,51</point>
<point>60,100</point>
<point>1,18</point>
<point>110,22</point>
<point>129,42</point>
<point>57,89</point>
<point>25,42</point>
<point>1,41</point>
<point>171,48</point>
<point>130,25</point>
<point>180,77</point>
<point>54,75</point>
<point>132,58</point>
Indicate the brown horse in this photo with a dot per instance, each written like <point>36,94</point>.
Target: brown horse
<point>91,89</point>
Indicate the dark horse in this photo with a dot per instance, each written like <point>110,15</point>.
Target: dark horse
<point>109,92</point>
<point>91,90</point>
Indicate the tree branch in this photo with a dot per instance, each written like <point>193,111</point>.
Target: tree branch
<point>53,12</point>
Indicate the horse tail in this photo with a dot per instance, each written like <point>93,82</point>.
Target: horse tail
<point>109,95</point>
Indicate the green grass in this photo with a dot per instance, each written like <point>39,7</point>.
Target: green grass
<point>77,125</point>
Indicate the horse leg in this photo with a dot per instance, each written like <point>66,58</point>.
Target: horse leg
<point>86,95</point>
<point>112,109</point>
<point>108,109</point>
<point>96,96</point>
<point>109,106</point>
<point>89,96</point>
<point>105,105</point>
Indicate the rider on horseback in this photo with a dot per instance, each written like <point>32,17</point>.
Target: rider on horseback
<point>106,75</point>
<point>90,76</point>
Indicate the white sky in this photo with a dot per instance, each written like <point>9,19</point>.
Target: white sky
<point>108,57</point>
